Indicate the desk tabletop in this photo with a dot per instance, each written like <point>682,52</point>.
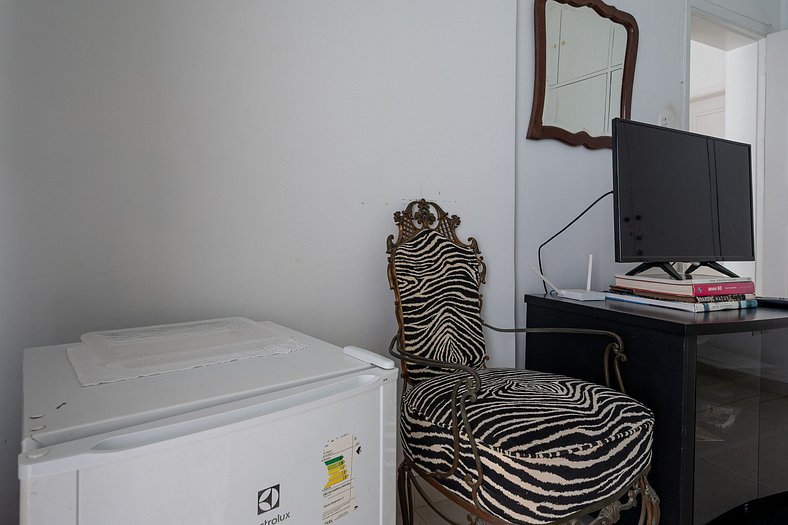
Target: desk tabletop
<point>667,319</point>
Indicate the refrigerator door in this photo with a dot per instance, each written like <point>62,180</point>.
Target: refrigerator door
<point>322,453</point>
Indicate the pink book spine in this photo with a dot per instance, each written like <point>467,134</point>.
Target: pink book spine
<point>723,288</point>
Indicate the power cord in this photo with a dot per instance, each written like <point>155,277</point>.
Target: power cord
<point>539,251</point>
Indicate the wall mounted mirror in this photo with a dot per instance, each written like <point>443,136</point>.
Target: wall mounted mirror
<point>585,66</point>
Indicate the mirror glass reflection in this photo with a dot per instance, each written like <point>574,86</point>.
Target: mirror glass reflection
<point>584,69</point>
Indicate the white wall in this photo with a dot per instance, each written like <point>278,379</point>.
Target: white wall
<point>555,182</point>
<point>170,161</point>
<point>707,74</point>
<point>741,122</point>
<point>759,18</point>
<point>774,280</point>
<point>784,14</point>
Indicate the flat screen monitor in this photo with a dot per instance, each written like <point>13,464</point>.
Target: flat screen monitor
<point>680,196</point>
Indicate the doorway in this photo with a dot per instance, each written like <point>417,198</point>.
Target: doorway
<point>725,99</point>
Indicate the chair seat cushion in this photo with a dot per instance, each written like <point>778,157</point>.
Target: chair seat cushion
<point>550,445</point>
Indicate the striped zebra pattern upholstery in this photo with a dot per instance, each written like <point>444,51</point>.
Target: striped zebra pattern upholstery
<point>438,283</point>
<point>549,444</point>
<point>513,446</point>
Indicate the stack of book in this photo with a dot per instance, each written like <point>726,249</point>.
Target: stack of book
<point>702,293</point>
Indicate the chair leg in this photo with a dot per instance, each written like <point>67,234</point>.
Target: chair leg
<point>649,502</point>
<point>649,506</point>
<point>405,493</point>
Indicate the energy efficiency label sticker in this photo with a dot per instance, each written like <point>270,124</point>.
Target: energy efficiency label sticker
<point>339,495</point>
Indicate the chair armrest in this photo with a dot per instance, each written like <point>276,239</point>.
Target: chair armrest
<point>473,385</point>
<point>614,351</point>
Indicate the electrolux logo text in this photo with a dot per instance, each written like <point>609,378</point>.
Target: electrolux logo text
<point>278,519</point>
<point>268,500</point>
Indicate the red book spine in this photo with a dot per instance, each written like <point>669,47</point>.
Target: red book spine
<point>723,288</point>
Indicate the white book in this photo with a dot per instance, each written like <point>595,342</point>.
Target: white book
<point>680,305</point>
<point>697,278</point>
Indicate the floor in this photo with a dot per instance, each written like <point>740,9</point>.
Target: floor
<point>424,515</point>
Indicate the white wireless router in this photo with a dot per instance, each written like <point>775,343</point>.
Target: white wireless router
<point>578,295</point>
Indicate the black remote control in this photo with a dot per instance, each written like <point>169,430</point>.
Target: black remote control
<point>773,302</point>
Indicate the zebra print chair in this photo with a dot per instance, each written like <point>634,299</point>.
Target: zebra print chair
<point>510,446</point>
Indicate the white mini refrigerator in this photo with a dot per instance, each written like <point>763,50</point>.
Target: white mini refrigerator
<point>221,422</point>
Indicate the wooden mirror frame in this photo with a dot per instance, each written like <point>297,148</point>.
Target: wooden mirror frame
<point>536,129</point>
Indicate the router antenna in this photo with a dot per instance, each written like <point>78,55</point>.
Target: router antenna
<point>588,275</point>
<point>578,295</point>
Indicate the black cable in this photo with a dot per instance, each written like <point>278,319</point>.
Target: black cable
<point>539,251</point>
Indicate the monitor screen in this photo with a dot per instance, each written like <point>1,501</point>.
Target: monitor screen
<point>680,196</point>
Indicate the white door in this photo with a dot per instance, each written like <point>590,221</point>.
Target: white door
<point>774,278</point>
<point>707,114</point>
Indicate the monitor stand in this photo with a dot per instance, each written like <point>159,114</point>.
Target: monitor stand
<point>670,270</point>
<point>666,266</point>
<point>714,265</point>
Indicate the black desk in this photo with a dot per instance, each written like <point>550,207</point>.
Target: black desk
<point>717,383</point>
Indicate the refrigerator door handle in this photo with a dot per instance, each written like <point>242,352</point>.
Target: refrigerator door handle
<point>369,357</point>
